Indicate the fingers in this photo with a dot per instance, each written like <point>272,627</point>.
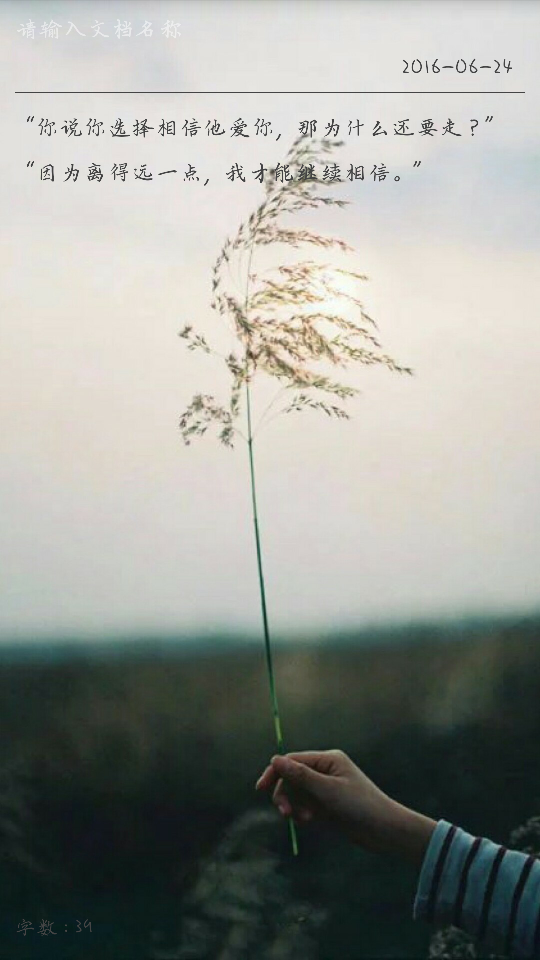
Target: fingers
<point>281,800</point>
<point>303,814</point>
<point>326,762</point>
<point>298,813</point>
<point>270,779</point>
<point>323,761</point>
<point>267,779</point>
<point>286,807</point>
<point>272,772</point>
<point>311,757</point>
<point>301,778</point>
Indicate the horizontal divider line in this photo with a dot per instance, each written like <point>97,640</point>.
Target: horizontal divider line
<point>404,93</point>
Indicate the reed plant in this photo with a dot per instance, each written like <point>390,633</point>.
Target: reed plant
<point>294,322</point>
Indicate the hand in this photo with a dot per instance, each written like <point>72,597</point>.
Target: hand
<point>326,785</point>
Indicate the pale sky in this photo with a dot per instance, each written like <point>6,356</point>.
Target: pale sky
<point>426,502</point>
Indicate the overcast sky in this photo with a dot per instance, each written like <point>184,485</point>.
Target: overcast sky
<point>426,502</point>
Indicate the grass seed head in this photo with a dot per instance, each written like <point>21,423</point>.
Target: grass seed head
<point>281,322</point>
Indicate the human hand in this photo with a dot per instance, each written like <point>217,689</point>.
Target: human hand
<point>327,786</point>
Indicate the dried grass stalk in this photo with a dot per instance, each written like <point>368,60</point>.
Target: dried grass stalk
<point>283,328</point>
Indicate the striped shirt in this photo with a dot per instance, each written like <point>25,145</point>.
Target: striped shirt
<point>484,889</point>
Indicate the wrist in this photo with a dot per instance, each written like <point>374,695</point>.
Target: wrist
<point>410,833</point>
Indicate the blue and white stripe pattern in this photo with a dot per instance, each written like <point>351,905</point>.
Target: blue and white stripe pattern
<point>484,889</point>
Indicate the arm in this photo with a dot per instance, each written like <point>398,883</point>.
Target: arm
<point>490,892</point>
<point>469,882</point>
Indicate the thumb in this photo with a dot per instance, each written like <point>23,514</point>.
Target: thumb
<point>300,775</point>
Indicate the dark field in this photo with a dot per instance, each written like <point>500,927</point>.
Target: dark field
<point>127,794</point>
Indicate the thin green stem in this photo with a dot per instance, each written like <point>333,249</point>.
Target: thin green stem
<point>264,609</point>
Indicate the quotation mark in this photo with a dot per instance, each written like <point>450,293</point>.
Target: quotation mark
<point>415,164</point>
<point>30,163</point>
<point>29,119</point>
<point>489,119</point>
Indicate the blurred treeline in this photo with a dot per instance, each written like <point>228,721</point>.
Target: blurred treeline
<point>127,786</point>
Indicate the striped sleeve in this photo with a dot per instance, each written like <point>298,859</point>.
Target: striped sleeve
<point>484,889</point>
